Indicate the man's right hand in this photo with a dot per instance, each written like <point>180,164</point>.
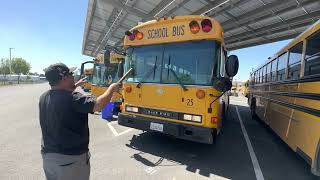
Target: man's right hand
<point>105,98</point>
<point>114,87</point>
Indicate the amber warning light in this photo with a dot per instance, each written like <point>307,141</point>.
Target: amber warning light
<point>194,27</point>
<point>136,34</point>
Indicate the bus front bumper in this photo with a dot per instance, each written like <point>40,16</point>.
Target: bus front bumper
<point>179,130</point>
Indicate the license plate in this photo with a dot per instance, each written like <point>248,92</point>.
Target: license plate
<point>156,127</point>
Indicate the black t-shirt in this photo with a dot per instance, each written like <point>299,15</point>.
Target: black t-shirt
<point>64,121</point>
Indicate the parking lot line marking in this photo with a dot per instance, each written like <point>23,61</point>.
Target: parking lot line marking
<point>124,132</point>
<point>150,170</point>
<point>113,130</point>
<point>115,133</point>
<point>113,122</point>
<point>253,157</point>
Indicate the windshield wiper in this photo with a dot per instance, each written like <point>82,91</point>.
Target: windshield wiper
<point>149,73</point>
<point>177,78</point>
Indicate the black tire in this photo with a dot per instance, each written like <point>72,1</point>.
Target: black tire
<point>214,135</point>
<point>253,108</point>
<point>224,111</point>
<point>315,170</point>
<point>228,104</point>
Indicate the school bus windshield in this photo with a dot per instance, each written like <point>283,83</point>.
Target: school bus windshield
<point>194,63</point>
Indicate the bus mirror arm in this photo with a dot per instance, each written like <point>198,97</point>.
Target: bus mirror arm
<point>223,85</point>
<point>210,108</point>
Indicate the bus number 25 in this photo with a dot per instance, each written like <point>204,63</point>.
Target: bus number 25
<point>189,102</point>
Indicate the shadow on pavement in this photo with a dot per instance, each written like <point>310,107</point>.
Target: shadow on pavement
<point>227,157</point>
<point>277,160</point>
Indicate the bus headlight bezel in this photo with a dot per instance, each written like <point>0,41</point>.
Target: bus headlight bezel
<point>192,118</point>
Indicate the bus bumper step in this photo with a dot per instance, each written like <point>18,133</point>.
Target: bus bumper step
<point>179,130</point>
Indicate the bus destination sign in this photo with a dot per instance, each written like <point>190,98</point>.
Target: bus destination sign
<point>165,32</point>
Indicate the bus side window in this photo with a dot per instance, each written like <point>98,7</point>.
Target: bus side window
<point>282,64</point>
<point>268,72</point>
<point>295,57</point>
<point>263,74</point>
<point>274,70</point>
<point>312,65</point>
<point>260,76</point>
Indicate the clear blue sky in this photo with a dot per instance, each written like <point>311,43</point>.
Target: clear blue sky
<point>44,32</point>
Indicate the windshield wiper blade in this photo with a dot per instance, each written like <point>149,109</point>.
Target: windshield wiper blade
<point>177,78</point>
<point>148,73</point>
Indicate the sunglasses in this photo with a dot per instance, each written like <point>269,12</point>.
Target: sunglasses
<point>66,74</point>
<point>70,73</point>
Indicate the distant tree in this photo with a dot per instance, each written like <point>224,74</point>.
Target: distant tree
<point>4,67</point>
<point>20,66</point>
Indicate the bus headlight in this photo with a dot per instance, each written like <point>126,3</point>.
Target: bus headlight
<point>132,109</point>
<point>189,117</point>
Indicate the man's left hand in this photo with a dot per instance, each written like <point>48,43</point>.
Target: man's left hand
<point>81,82</point>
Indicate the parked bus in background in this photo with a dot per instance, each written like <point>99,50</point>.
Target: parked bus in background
<point>179,81</point>
<point>245,88</point>
<point>285,94</point>
<point>105,73</point>
<point>87,86</point>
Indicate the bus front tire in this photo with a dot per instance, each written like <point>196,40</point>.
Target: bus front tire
<point>253,108</point>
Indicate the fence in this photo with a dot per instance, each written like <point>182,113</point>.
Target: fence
<point>13,79</point>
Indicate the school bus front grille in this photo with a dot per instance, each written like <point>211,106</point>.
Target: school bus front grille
<point>165,114</point>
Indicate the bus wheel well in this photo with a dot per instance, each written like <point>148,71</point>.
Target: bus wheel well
<point>315,169</point>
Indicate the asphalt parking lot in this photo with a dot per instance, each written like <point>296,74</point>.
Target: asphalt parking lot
<point>246,149</point>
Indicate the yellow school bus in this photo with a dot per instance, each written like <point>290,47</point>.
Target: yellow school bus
<point>180,76</point>
<point>87,86</point>
<point>285,94</point>
<point>86,72</point>
<point>105,72</point>
<point>245,88</point>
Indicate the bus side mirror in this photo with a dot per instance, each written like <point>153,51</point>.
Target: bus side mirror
<point>232,65</point>
<point>120,69</point>
<point>81,71</point>
<point>106,57</point>
<point>223,84</point>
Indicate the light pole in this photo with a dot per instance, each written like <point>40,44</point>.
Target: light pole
<point>10,59</point>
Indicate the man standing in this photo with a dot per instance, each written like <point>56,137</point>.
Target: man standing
<point>64,124</point>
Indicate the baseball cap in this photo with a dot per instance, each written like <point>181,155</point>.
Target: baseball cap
<point>55,72</point>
